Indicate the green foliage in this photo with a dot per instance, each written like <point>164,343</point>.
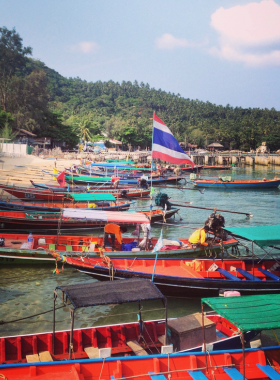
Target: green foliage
<point>12,59</point>
<point>124,111</point>
<point>7,132</point>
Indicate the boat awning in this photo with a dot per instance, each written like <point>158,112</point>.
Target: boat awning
<point>264,236</point>
<point>113,292</point>
<point>260,312</point>
<point>106,216</point>
<point>110,164</point>
<point>91,197</point>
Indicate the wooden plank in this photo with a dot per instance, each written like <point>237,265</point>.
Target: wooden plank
<point>161,339</point>
<point>92,352</point>
<point>32,358</point>
<point>136,348</point>
<point>45,356</point>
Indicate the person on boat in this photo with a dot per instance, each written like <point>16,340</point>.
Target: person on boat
<point>114,231</point>
<point>198,237</point>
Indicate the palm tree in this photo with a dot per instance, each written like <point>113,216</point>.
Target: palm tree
<point>82,130</point>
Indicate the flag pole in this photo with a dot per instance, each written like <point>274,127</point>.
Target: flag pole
<point>151,194</point>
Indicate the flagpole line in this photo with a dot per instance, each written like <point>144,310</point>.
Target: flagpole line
<point>151,193</point>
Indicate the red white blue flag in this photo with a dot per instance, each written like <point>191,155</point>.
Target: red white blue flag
<point>166,147</point>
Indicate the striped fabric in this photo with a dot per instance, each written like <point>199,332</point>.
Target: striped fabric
<point>166,147</point>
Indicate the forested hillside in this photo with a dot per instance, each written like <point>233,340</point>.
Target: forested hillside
<point>41,100</point>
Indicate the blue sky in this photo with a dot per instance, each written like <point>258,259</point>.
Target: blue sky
<point>221,51</point>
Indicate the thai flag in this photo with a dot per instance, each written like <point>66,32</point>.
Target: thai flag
<point>165,146</point>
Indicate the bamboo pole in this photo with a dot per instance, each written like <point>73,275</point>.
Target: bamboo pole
<point>207,208</point>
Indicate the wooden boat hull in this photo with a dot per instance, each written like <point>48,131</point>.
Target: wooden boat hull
<point>30,194</point>
<point>185,366</point>
<point>120,334</point>
<point>56,207</point>
<point>88,180</point>
<point>12,253</point>
<point>267,184</point>
<point>177,285</point>
<point>38,220</point>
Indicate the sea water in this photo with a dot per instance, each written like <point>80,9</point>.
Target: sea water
<point>28,290</point>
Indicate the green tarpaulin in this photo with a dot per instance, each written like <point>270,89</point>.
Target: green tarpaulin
<point>91,197</point>
<point>261,312</point>
<point>264,236</point>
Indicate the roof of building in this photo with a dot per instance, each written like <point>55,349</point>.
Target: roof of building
<point>27,132</point>
<point>215,145</point>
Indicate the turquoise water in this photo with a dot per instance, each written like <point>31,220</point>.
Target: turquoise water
<point>25,291</point>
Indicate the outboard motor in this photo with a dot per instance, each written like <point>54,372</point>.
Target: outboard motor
<point>124,194</point>
<point>162,200</point>
<point>216,222</point>
<point>143,183</point>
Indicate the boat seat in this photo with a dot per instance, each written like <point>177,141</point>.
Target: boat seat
<point>247,274</point>
<point>92,352</point>
<point>228,275</point>
<point>32,358</point>
<point>157,376</point>
<point>136,348</point>
<point>44,356</point>
<point>269,274</point>
<point>269,371</point>
<point>69,248</point>
<point>52,246</point>
<point>197,375</point>
<point>233,373</point>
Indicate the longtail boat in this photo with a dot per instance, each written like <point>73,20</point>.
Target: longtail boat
<point>127,339</point>
<point>216,167</point>
<point>45,248</point>
<point>31,194</point>
<point>37,220</point>
<point>188,278</point>
<point>224,183</point>
<point>261,364</point>
<point>87,180</point>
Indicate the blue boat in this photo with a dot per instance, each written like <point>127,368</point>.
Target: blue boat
<point>237,184</point>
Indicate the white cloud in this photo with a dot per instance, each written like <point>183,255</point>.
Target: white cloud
<point>247,33</point>
<point>85,47</point>
<point>169,42</point>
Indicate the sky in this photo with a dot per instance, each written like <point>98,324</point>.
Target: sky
<point>221,51</point>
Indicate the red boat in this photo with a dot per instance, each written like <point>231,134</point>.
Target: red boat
<point>261,364</point>
<point>29,193</point>
<point>188,278</point>
<point>127,339</point>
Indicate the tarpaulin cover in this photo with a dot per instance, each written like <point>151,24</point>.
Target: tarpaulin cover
<point>105,216</point>
<point>113,292</point>
<point>264,236</point>
<point>95,197</point>
<point>85,178</point>
<point>248,313</point>
<point>113,165</point>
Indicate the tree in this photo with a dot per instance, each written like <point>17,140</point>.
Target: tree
<point>27,100</point>
<point>83,130</point>
<point>13,58</point>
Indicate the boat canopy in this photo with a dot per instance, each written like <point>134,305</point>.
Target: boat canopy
<point>106,216</point>
<point>118,166</point>
<point>113,292</point>
<point>263,236</point>
<point>260,312</point>
<point>85,178</point>
<point>88,197</point>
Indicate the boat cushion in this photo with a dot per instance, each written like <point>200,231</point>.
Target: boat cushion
<point>269,371</point>
<point>233,373</point>
<point>228,275</point>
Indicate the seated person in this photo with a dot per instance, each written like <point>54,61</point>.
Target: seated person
<point>198,237</point>
<point>115,231</point>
